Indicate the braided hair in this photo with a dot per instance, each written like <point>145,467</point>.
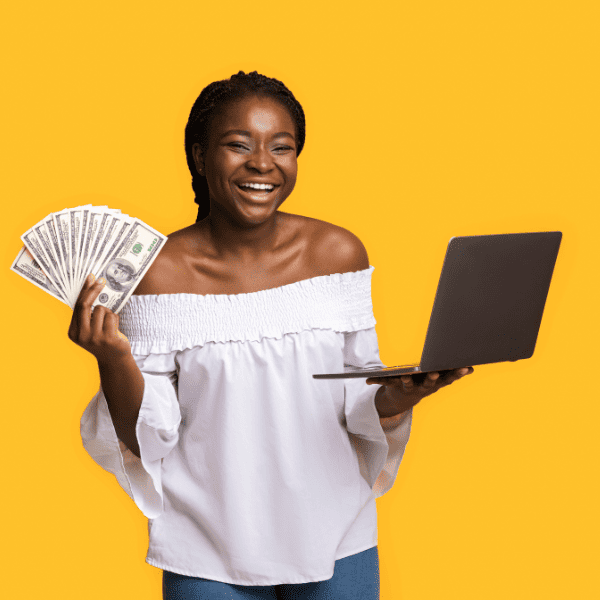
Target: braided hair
<point>213,98</point>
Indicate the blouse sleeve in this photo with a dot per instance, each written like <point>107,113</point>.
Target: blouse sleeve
<point>379,443</point>
<point>157,432</point>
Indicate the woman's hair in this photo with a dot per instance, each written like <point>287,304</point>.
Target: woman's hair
<point>212,99</point>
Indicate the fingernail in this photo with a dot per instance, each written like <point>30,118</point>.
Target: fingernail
<point>91,278</point>
<point>464,371</point>
<point>101,281</point>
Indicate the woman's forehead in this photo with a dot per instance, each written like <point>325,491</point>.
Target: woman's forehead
<point>259,113</point>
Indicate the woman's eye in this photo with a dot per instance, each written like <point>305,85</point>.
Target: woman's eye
<point>237,145</point>
<point>280,148</point>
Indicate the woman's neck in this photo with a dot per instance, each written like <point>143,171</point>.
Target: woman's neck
<point>244,243</point>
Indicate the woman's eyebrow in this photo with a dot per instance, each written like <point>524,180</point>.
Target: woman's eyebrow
<point>236,132</point>
<point>248,134</point>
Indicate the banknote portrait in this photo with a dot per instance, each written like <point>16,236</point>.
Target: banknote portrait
<point>119,274</point>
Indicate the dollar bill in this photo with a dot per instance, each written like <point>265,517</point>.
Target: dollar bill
<point>26,266</point>
<point>126,267</point>
<point>50,229</point>
<point>38,248</point>
<point>120,231</point>
<point>103,216</point>
<point>89,241</point>
<point>102,223</point>
<point>110,237</point>
<point>85,212</point>
<point>61,223</point>
<point>75,218</point>
<point>43,233</point>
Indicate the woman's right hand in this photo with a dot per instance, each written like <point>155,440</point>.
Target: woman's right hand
<point>97,331</point>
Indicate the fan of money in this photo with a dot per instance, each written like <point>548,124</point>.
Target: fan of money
<point>66,246</point>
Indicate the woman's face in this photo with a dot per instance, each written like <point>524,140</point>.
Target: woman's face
<point>252,144</point>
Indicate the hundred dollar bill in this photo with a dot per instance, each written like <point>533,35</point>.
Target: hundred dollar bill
<point>38,248</point>
<point>124,269</point>
<point>26,266</point>
<point>118,235</point>
<point>75,222</point>
<point>102,217</point>
<point>89,240</point>
<point>49,229</point>
<point>61,223</point>
<point>112,237</point>
<point>85,213</point>
<point>42,232</point>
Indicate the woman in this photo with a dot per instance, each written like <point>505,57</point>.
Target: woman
<point>259,481</point>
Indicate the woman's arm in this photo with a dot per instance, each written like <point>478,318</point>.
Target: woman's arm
<point>123,387</point>
<point>385,406</point>
<point>121,378</point>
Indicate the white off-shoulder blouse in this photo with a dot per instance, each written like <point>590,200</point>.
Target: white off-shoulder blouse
<point>251,471</point>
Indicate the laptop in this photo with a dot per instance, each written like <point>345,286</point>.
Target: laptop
<point>488,306</point>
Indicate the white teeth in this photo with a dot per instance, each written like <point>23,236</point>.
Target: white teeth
<point>258,186</point>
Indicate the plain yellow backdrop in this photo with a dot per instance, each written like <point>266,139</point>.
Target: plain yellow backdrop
<point>425,120</point>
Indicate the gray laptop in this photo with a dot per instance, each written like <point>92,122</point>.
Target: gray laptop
<point>488,306</point>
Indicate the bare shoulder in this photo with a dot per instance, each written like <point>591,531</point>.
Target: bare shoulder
<point>169,267</point>
<point>335,249</point>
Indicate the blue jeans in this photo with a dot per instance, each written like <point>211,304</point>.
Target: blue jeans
<point>355,577</point>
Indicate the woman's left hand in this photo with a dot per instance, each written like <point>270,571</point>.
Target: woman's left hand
<point>402,393</point>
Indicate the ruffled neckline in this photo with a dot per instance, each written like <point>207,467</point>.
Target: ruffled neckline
<point>163,323</point>
<point>303,283</point>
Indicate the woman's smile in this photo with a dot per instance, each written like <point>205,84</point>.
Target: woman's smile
<point>260,192</point>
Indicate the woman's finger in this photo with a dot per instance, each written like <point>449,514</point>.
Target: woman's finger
<point>97,322</point>
<point>78,330</point>
<point>89,280</point>
<point>110,327</point>
<point>87,284</point>
<point>72,333</point>
<point>85,306</point>
<point>392,381</point>
<point>430,380</point>
<point>75,317</point>
<point>456,374</point>
<point>407,382</point>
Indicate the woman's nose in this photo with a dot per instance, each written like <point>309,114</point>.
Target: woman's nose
<point>260,159</point>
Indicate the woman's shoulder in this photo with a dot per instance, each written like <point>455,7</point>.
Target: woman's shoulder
<point>169,267</point>
<point>334,249</point>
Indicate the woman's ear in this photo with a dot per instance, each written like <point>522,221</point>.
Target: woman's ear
<point>198,158</point>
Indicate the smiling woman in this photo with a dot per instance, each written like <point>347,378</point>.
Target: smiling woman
<point>259,481</point>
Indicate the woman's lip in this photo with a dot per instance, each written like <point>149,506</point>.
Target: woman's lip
<point>256,194</point>
<point>274,185</point>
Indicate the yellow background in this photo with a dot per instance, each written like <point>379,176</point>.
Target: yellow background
<point>425,120</point>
